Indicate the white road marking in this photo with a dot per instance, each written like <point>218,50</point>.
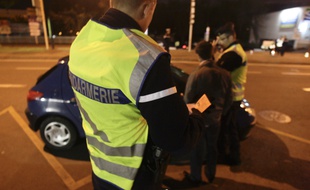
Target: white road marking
<point>185,62</point>
<point>306,89</point>
<point>276,116</point>
<point>54,163</point>
<point>32,68</point>
<point>12,85</point>
<point>286,135</point>
<point>278,65</point>
<point>295,74</point>
<point>254,72</point>
<point>29,60</point>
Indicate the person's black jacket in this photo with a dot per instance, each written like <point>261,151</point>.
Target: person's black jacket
<point>216,83</point>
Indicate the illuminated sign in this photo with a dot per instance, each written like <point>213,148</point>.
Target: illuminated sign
<point>289,17</point>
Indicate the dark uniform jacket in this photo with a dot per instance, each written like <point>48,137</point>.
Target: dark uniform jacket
<point>216,83</point>
<point>230,60</point>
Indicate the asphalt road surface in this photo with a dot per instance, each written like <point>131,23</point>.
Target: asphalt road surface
<point>275,156</point>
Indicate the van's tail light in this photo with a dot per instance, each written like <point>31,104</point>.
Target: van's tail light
<point>33,95</point>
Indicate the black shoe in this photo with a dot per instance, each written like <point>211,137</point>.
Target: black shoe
<point>230,161</point>
<point>191,182</point>
<point>222,159</point>
<point>210,172</point>
<point>233,160</point>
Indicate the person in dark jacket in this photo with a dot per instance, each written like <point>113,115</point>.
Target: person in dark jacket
<point>214,82</point>
<point>234,60</point>
<point>167,39</point>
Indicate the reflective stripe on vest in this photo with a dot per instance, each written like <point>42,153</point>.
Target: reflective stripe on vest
<point>146,59</point>
<point>122,171</point>
<point>101,134</point>
<point>134,150</point>
<point>239,75</point>
<point>158,95</point>
<point>108,95</point>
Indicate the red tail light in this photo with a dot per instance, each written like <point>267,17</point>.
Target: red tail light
<point>33,95</point>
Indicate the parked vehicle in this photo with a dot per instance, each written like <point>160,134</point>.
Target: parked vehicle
<point>52,108</point>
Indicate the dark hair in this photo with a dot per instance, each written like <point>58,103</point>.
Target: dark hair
<point>204,50</point>
<point>228,28</point>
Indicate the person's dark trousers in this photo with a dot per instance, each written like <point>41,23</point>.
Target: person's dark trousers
<point>167,44</point>
<point>234,148</point>
<point>99,184</point>
<point>212,134</point>
<point>206,150</point>
<point>283,48</point>
<point>197,157</point>
<point>229,143</point>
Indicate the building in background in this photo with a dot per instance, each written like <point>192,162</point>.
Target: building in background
<point>294,23</point>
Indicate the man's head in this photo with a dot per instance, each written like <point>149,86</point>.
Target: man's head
<point>204,50</point>
<point>140,10</point>
<point>226,34</point>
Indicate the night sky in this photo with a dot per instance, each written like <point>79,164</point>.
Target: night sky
<point>19,4</point>
<point>174,14</point>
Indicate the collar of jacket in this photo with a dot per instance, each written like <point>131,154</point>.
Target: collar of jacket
<point>206,63</point>
<point>116,19</point>
<point>234,43</point>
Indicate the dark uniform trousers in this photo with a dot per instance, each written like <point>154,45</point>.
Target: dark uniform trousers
<point>229,143</point>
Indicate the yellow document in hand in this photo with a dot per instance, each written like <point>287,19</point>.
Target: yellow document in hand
<point>203,103</point>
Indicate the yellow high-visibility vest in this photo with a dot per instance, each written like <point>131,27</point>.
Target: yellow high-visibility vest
<point>107,67</point>
<point>238,76</point>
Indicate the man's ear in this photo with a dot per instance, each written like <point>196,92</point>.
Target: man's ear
<point>141,12</point>
<point>145,8</point>
<point>148,8</point>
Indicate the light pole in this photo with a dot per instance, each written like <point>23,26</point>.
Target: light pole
<point>40,5</point>
<point>191,23</point>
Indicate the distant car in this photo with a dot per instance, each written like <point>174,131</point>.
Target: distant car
<point>52,108</point>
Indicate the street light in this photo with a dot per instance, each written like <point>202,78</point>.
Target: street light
<point>40,5</point>
<point>191,23</point>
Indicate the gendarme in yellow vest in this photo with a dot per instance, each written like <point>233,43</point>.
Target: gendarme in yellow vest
<point>239,75</point>
<point>107,69</point>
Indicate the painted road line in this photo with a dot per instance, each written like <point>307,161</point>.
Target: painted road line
<point>254,72</point>
<point>12,85</point>
<point>286,135</point>
<point>306,89</point>
<point>28,60</point>
<point>278,65</point>
<point>55,164</point>
<point>185,62</point>
<point>32,68</point>
<point>295,74</point>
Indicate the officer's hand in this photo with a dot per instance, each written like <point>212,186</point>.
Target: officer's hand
<point>190,107</point>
